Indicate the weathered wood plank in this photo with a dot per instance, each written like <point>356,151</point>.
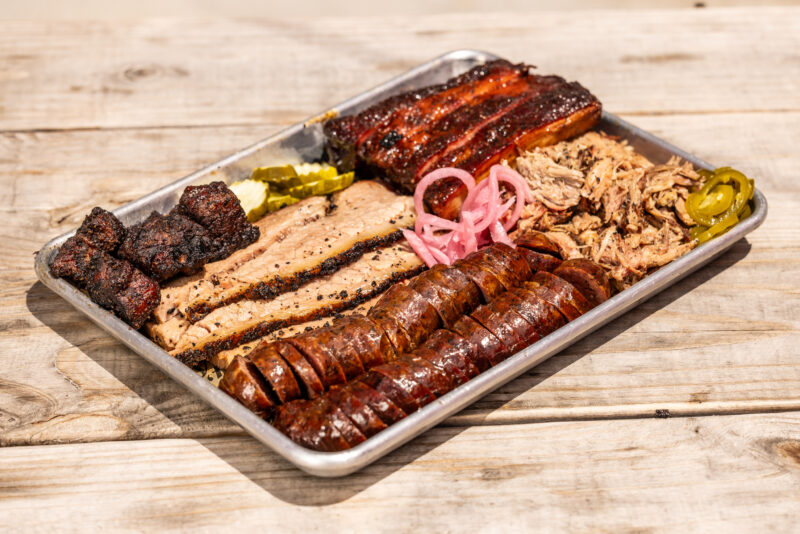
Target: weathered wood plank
<point>689,350</point>
<point>255,71</point>
<point>690,474</point>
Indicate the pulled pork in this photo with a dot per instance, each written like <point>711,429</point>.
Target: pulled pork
<point>598,199</point>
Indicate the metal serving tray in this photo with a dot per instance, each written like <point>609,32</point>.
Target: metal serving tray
<point>304,142</point>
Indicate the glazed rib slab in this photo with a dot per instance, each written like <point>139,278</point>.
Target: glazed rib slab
<point>473,121</point>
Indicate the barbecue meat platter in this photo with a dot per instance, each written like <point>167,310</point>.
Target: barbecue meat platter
<point>444,230</point>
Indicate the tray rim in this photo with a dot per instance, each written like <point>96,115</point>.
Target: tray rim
<point>333,464</point>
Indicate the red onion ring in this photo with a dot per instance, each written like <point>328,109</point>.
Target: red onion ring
<point>437,240</point>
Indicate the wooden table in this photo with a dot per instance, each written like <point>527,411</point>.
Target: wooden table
<point>682,415</point>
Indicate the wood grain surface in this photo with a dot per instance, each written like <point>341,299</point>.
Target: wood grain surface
<point>702,474</point>
<point>102,113</point>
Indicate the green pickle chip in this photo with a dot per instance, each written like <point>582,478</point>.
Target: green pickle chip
<point>272,188</point>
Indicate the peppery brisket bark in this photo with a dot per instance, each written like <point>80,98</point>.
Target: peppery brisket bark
<point>477,119</point>
<point>245,321</point>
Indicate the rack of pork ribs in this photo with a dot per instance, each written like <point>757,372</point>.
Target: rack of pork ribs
<point>331,388</point>
<point>120,268</point>
<point>482,117</point>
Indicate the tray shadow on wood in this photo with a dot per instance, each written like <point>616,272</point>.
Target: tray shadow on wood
<point>268,470</point>
<point>181,414</point>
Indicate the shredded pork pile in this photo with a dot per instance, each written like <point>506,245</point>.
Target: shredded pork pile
<point>598,199</point>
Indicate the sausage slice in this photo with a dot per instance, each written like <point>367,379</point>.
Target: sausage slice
<point>386,410</point>
<point>486,260</point>
<point>405,380</point>
<point>358,412</point>
<point>307,423</point>
<point>513,260</point>
<point>243,382</point>
<point>326,366</point>
<point>410,310</point>
<point>539,261</point>
<point>310,385</point>
<point>588,277</point>
<point>485,346</point>
<point>276,371</point>
<point>388,387</point>
<point>342,349</point>
<point>545,317</point>
<point>442,300</point>
<point>450,352</point>
<point>488,284</point>
<point>528,330</point>
<point>569,292</point>
<point>359,335</point>
<point>390,326</point>
<point>492,318</point>
<point>466,295</point>
<point>533,240</point>
<point>430,376</point>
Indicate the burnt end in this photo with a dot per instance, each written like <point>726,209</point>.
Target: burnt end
<point>444,197</point>
<point>116,285</point>
<point>215,207</point>
<point>139,300</point>
<point>102,229</point>
<point>166,245</point>
<point>112,283</point>
<point>73,260</point>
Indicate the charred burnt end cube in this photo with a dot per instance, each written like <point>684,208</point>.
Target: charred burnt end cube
<point>102,229</point>
<point>215,207</point>
<point>166,245</point>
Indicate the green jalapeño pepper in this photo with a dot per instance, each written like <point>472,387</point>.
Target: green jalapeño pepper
<point>720,203</point>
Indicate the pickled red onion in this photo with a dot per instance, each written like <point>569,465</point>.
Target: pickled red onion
<point>483,218</point>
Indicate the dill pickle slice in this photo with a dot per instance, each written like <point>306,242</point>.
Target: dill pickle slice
<point>273,174</point>
<point>324,186</point>
<point>315,170</point>
<point>276,201</point>
<point>252,195</point>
